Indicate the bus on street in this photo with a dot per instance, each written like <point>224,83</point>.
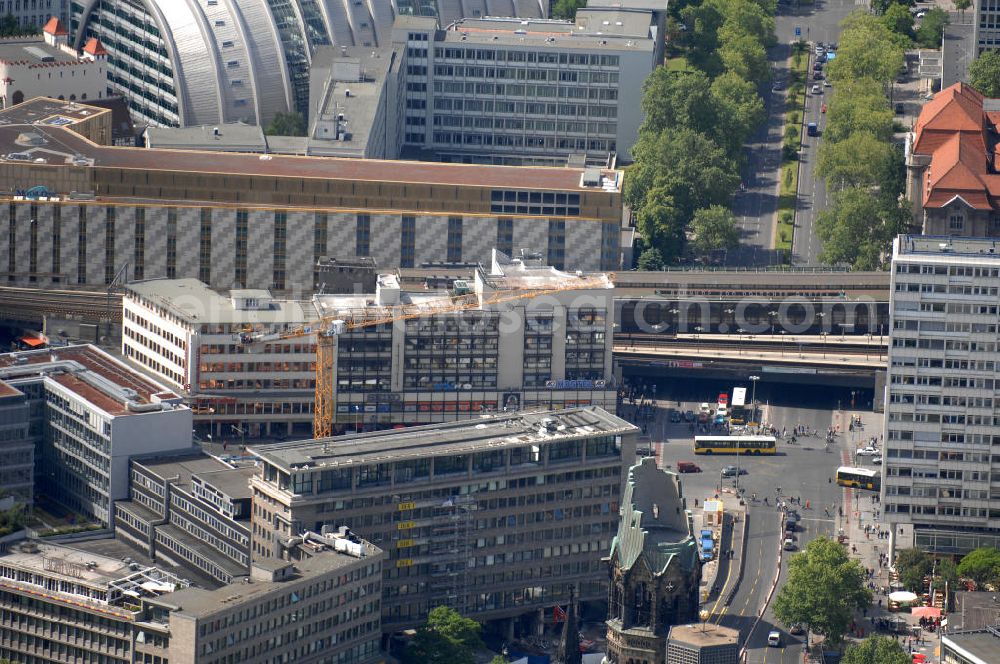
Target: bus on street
<point>859,478</point>
<point>734,445</point>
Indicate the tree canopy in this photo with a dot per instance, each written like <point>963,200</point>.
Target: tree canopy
<point>714,229</point>
<point>446,638</point>
<point>984,73</point>
<point>566,9</point>
<point>867,49</point>
<point>823,589</point>
<point>651,260</point>
<point>858,228</point>
<point>860,160</point>
<point>876,650</point>
<point>897,18</point>
<point>287,124</point>
<point>931,29</point>
<point>913,565</point>
<point>981,565</point>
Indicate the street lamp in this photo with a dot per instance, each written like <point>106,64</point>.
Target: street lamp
<point>783,333</point>
<point>674,312</point>
<point>772,315</point>
<point>697,332</point>
<point>739,339</point>
<point>753,397</point>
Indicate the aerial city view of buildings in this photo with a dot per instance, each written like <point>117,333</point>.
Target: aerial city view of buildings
<point>499,331</point>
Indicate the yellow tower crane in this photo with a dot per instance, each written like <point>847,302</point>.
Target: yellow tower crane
<point>328,328</point>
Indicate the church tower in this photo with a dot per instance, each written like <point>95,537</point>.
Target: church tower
<point>654,567</point>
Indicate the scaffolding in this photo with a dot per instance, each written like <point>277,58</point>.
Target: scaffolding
<point>450,550</point>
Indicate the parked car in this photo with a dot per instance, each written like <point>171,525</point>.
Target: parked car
<point>900,109</point>
<point>689,416</point>
<point>812,129</point>
<point>722,411</point>
<point>789,544</point>
<point>705,408</point>
<point>818,76</point>
<point>877,460</point>
<point>675,416</point>
<point>796,629</point>
<point>816,90</point>
<point>827,83</point>
<point>733,471</point>
<point>687,467</point>
<point>818,66</point>
<point>867,451</point>
<point>774,639</point>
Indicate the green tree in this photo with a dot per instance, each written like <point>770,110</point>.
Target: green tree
<point>9,27</point>
<point>499,659</point>
<point>913,565</point>
<point>745,56</point>
<point>868,49</point>
<point>984,73</point>
<point>446,638</point>
<point>860,160</point>
<point>690,167</point>
<point>674,99</point>
<point>876,650</point>
<point>651,260</point>
<point>945,574</point>
<point>823,589</point>
<point>739,110</point>
<point>566,9</point>
<point>961,6</point>
<point>287,124</point>
<point>701,37</point>
<point>981,565</point>
<point>858,228</point>
<point>714,229</point>
<point>931,29</point>
<point>662,224</point>
<point>745,18</point>
<point>898,19</point>
<point>859,106</point>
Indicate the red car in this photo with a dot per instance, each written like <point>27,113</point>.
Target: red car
<point>823,109</point>
<point>723,399</point>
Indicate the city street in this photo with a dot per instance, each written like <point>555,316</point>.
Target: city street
<point>819,22</point>
<point>803,470</point>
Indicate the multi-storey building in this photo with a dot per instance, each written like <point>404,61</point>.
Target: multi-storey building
<point>549,351</point>
<point>497,517</point>
<point>497,90</point>
<point>17,450</point>
<point>77,604</point>
<point>35,13</point>
<point>47,66</point>
<point>88,413</point>
<point>189,509</point>
<point>182,63</point>
<point>941,475</point>
<point>243,220</point>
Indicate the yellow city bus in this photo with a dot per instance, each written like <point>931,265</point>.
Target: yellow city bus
<point>734,445</point>
<point>859,478</point>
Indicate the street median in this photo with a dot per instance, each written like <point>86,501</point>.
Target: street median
<point>788,183</point>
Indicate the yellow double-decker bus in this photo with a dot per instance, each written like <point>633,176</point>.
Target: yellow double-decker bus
<point>734,445</point>
<point>859,478</point>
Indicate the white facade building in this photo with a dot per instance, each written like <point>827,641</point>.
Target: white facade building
<point>90,414</point>
<point>550,351</point>
<point>47,66</point>
<point>941,475</point>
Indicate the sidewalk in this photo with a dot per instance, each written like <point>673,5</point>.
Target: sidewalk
<point>720,577</point>
<point>871,550</point>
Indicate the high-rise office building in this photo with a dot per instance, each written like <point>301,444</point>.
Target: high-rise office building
<point>497,517</point>
<point>941,473</point>
<point>87,414</point>
<point>549,351</point>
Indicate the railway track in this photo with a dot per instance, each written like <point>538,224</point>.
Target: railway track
<point>17,302</point>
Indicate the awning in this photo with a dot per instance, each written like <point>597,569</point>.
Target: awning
<point>902,596</point>
<point>926,611</point>
<point>34,342</point>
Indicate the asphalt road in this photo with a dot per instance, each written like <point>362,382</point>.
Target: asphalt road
<point>804,470</point>
<point>819,22</point>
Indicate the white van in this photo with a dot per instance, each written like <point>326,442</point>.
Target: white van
<point>774,639</point>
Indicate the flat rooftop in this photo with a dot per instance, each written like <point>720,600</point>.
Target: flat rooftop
<point>33,51</point>
<point>450,438</point>
<point>231,136</point>
<point>89,372</point>
<point>703,635</point>
<point>61,146</point>
<point>197,601</point>
<point>234,482</point>
<point>193,301</point>
<point>48,111</point>
<point>623,33</point>
<point>984,645</point>
<point>946,247</point>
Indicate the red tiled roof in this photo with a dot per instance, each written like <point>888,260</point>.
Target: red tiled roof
<point>952,130</point>
<point>94,47</point>
<point>55,27</point>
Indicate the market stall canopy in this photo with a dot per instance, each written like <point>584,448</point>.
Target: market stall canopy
<point>926,612</point>
<point>902,596</point>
